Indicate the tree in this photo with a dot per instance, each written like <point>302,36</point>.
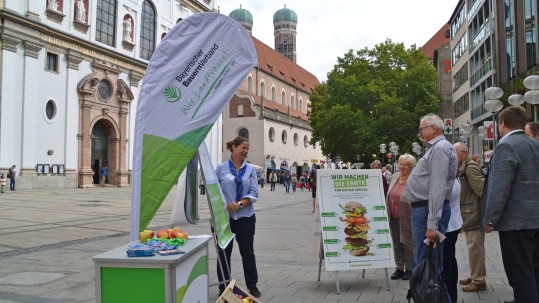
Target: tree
<point>373,96</point>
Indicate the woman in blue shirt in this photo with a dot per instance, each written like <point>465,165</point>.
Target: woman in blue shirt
<point>240,189</point>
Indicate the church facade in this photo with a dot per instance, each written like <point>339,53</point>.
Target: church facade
<point>71,71</point>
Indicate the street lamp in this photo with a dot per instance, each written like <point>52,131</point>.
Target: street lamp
<point>531,96</point>
<point>465,132</point>
<point>416,148</point>
<point>394,149</point>
<point>483,136</point>
<point>383,151</point>
<point>494,105</point>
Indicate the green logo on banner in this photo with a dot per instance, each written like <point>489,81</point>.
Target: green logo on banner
<point>172,94</point>
<point>328,215</point>
<point>384,245</point>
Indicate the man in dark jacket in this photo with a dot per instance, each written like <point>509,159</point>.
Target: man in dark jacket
<point>472,182</point>
<point>512,203</point>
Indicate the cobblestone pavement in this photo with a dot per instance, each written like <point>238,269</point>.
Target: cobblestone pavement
<point>48,239</point>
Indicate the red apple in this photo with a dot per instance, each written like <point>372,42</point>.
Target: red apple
<point>172,233</point>
<point>183,235</point>
<point>176,229</point>
<point>162,234</point>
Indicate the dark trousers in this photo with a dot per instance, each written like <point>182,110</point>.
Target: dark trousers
<point>450,273</point>
<point>272,186</point>
<point>12,183</point>
<point>244,228</point>
<point>520,255</point>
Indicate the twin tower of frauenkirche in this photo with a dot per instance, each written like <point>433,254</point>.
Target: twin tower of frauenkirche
<point>284,28</point>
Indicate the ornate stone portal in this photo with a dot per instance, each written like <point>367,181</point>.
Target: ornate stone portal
<point>104,98</point>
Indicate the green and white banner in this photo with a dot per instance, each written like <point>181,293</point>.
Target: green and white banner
<point>192,75</point>
<point>216,201</point>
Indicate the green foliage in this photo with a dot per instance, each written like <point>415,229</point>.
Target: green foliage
<point>373,96</point>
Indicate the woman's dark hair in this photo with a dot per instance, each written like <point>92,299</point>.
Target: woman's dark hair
<point>236,142</point>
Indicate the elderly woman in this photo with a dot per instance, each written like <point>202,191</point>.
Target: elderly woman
<point>400,218</point>
<point>377,165</point>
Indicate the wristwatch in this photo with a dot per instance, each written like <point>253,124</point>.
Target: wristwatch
<point>241,204</point>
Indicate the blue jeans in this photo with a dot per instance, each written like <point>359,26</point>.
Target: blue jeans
<point>287,186</point>
<point>419,228</point>
<point>12,183</point>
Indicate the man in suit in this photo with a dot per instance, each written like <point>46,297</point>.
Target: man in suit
<point>512,206</point>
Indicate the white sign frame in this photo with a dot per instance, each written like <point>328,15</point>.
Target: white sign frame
<point>338,187</point>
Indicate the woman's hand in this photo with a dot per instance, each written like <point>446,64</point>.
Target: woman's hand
<point>232,207</point>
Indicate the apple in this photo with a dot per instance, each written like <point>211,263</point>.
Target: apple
<point>176,229</point>
<point>162,234</point>
<point>183,235</point>
<point>145,235</point>
<point>172,233</point>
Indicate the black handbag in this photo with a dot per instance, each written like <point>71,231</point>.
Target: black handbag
<point>426,284</point>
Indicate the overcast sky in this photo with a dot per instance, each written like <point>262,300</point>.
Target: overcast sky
<point>328,29</point>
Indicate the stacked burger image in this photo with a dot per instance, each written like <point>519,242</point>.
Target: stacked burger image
<point>357,226</point>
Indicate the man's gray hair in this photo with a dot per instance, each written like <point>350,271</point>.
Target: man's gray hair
<point>432,119</point>
<point>460,146</point>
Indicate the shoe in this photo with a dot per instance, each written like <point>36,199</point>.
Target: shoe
<point>397,274</point>
<point>313,211</point>
<point>255,292</point>
<point>512,301</point>
<point>407,274</point>
<point>465,281</point>
<point>472,287</point>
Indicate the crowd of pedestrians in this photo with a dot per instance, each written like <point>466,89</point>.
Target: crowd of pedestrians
<point>443,194</point>
<point>448,193</point>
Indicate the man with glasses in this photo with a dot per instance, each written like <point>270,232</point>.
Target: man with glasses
<point>429,185</point>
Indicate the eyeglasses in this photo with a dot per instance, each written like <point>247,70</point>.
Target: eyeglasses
<point>422,128</point>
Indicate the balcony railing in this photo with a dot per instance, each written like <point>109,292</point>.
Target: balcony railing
<point>478,111</point>
<point>482,71</point>
<point>485,29</point>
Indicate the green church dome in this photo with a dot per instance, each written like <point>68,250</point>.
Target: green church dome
<point>285,14</point>
<point>242,15</point>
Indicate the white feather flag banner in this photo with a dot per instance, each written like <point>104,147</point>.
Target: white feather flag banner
<point>192,75</point>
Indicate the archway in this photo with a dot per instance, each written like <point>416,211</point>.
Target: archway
<point>100,149</point>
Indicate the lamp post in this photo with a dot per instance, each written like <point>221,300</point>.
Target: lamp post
<point>465,131</point>
<point>531,96</point>
<point>483,136</point>
<point>416,148</point>
<point>383,151</point>
<point>494,105</point>
<point>394,149</point>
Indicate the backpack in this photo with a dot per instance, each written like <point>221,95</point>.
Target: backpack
<point>426,284</point>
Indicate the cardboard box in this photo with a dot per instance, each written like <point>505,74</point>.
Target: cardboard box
<point>229,295</point>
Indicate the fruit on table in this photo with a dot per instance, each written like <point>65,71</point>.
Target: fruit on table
<point>145,235</point>
<point>162,234</point>
<point>183,235</point>
<point>172,234</point>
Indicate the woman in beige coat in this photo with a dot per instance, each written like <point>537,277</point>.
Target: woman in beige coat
<point>400,218</point>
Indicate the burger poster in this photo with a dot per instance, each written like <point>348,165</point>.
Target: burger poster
<point>354,219</point>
